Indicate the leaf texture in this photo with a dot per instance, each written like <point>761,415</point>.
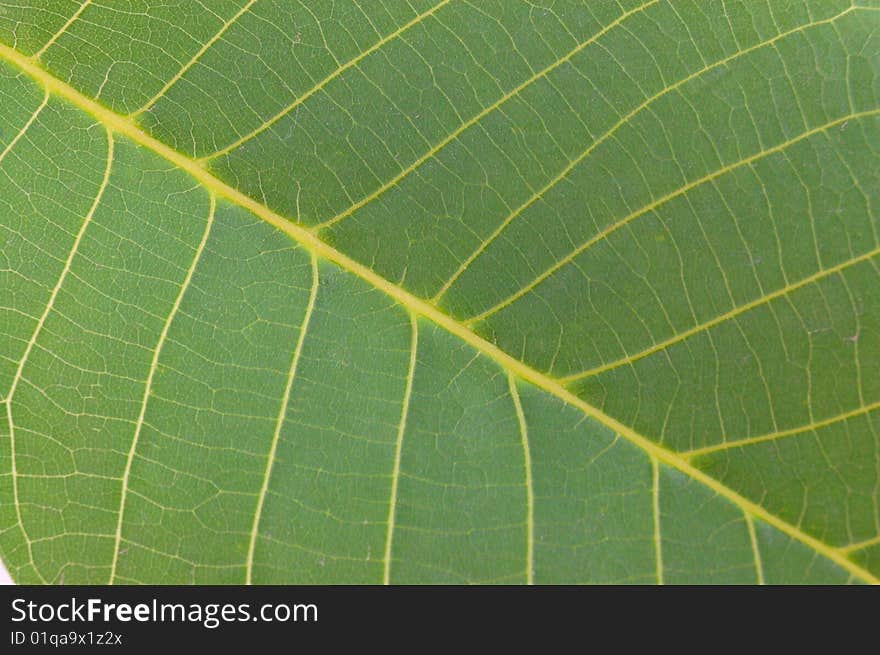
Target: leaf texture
<point>457,292</point>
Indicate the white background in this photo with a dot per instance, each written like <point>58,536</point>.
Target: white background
<point>4,576</point>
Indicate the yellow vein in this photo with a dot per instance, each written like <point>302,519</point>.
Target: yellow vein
<point>655,497</point>
<point>873,541</point>
<point>65,269</point>
<point>320,85</point>
<point>416,305</point>
<point>479,116</point>
<point>530,492</point>
<point>76,14</point>
<point>774,436</point>
<point>721,318</point>
<point>25,127</point>
<point>149,103</point>
<point>662,201</point>
<point>279,421</point>
<point>756,552</point>
<point>39,327</point>
<point>398,447</point>
<point>537,195</point>
<point>148,386</point>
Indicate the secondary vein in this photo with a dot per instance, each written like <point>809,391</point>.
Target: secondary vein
<point>24,128</point>
<point>398,448</point>
<point>17,377</point>
<point>479,116</point>
<point>726,316</point>
<point>207,45</point>
<point>782,434</point>
<point>320,85</point>
<point>63,29</point>
<point>530,491</point>
<point>655,506</point>
<point>418,306</point>
<point>279,422</point>
<point>624,120</point>
<point>148,387</point>
<point>659,202</point>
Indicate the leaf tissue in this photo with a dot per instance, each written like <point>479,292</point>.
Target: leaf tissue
<point>422,291</point>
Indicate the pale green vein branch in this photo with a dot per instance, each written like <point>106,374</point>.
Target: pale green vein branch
<point>861,545</point>
<point>171,82</point>
<point>420,307</point>
<point>478,117</point>
<point>775,436</point>
<point>65,270</point>
<point>530,491</point>
<point>721,318</point>
<point>279,421</point>
<point>655,504</point>
<point>320,85</point>
<point>398,448</point>
<point>76,14</point>
<point>606,232</point>
<point>25,127</point>
<point>148,386</point>
<point>540,193</point>
<point>39,327</point>
<point>756,551</point>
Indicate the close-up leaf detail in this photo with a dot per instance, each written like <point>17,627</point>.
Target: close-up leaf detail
<point>458,291</point>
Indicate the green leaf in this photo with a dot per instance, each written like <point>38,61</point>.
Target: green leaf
<point>424,291</point>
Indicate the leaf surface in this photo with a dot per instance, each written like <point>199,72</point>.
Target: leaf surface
<point>571,292</point>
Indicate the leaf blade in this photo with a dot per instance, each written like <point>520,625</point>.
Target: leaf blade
<point>450,554</point>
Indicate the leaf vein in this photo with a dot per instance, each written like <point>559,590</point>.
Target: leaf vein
<point>606,232</point>
<point>421,307</point>
<point>148,387</point>
<point>279,423</point>
<point>477,118</point>
<point>530,491</point>
<point>320,85</point>
<point>721,318</point>
<point>63,29</point>
<point>782,434</point>
<point>398,449</point>
<point>604,137</point>
<point>195,58</point>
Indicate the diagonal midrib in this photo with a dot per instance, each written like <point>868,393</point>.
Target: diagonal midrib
<point>418,306</point>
